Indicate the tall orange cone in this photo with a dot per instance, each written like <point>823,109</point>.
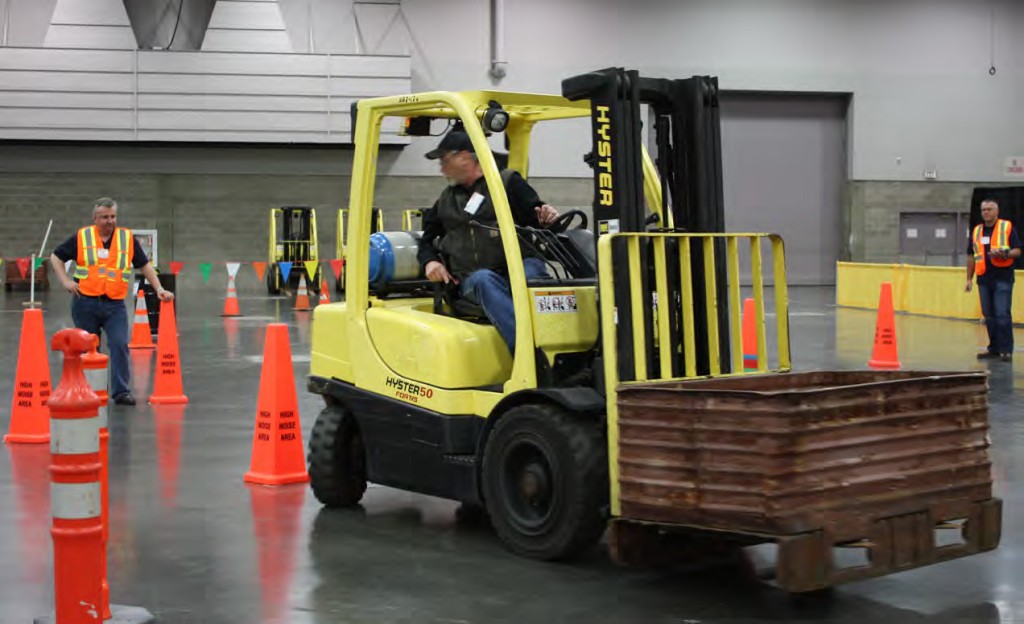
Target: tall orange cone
<point>885,353</point>
<point>277,451</point>
<point>167,388</point>
<point>749,336</point>
<point>30,419</point>
<point>324,297</point>
<point>302,298</point>
<point>142,338</point>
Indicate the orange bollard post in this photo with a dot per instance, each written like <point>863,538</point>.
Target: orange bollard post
<point>277,452</point>
<point>30,422</point>
<point>167,388</point>
<point>94,365</point>
<point>76,494</point>
<point>77,528</point>
<point>885,353</point>
<point>142,338</point>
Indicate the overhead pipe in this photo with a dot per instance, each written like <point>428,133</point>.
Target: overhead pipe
<point>497,71</point>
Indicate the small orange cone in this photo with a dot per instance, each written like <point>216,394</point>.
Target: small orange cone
<point>30,419</point>
<point>749,336</point>
<point>277,451</point>
<point>167,387</point>
<point>885,353</point>
<point>324,297</point>
<point>231,302</point>
<point>302,298</point>
<point>141,336</point>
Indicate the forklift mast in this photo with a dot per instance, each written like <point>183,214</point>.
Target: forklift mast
<point>689,165</point>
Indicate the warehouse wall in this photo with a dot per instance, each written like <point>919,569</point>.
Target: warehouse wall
<point>922,98</point>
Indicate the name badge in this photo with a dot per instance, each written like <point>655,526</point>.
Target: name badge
<point>103,253</point>
<point>985,240</point>
<point>474,203</point>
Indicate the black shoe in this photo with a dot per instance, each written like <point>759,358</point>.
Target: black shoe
<point>124,399</point>
<point>987,355</point>
<point>1006,357</point>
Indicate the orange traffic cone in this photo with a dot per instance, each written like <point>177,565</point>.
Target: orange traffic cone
<point>141,336</point>
<point>324,297</point>
<point>231,302</point>
<point>167,385</point>
<point>30,420</point>
<point>885,353</point>
<point>277,451</point>
<point>302,298</point>
<point>750,359</point>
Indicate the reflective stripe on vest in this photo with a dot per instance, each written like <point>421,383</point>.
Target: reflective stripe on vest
<point>104,276</point>
<point>1000,240</point>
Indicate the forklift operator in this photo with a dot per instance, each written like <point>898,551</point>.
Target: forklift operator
<point>464,221</point>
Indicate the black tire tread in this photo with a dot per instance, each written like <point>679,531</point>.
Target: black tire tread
<point>333,484</point>
<point>589,509</point>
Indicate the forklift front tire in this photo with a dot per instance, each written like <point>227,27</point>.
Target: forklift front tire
<point>273,287</point>
<point>545,482</point>
<point>337,459</point>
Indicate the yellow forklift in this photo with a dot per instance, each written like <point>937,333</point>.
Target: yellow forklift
<point>625,405</point>
<point>377,225</point>
<point>292,239</point>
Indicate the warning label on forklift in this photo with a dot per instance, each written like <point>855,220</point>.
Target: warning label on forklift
<point>555,301</point>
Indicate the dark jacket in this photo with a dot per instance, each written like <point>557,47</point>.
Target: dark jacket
<point>470,240</point>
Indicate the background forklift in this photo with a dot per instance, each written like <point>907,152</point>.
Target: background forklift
<point>377,225</point>
<point>292,239</point>
<point>625,404</point>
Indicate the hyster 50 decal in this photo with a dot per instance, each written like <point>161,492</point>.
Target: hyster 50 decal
<point>408,391</point>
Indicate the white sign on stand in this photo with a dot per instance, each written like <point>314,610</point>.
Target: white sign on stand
<point>148,241</point>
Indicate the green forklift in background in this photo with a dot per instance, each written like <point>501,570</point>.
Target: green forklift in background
<point>292,239</point>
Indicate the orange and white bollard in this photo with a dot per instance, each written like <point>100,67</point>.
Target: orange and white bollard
<point>94,365</point>
<point>76,493</point>
<point>75,466</point>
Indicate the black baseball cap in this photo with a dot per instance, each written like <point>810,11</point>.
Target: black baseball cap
<point>454,141</point>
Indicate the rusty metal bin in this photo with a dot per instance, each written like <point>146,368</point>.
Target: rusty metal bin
<point>787,453</point>
<point>814,460</point>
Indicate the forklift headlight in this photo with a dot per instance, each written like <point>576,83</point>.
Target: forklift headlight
<point>495,118</point>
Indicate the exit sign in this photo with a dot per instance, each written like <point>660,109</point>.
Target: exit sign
<point>1014,167</point>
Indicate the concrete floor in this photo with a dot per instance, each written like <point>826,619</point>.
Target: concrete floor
<point>191,543</point>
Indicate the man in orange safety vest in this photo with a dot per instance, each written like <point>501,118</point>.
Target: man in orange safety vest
<point>991,252</point>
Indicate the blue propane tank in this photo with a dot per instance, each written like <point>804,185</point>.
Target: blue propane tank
<point>393,257</point>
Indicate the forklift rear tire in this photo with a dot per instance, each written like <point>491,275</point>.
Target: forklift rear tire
<point>337,459</point>
<point>545,482</point>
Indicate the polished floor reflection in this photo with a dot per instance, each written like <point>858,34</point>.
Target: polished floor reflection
<point>192,543</point>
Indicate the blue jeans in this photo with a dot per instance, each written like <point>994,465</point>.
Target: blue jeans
<point>491,291</point>
<point>996,299</point>
<point>95,315</point>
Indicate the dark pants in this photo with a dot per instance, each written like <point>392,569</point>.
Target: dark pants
<point>94,315</point>
<point>492,292</point>
<point>996,298</point>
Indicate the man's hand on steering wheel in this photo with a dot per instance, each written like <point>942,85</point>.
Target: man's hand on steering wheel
<point>546,215</point>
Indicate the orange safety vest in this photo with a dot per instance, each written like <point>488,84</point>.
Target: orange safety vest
<point>1000,240</point>
<point>108,276</point>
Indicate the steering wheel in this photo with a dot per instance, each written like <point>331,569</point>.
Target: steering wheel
<point>564,220</point>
